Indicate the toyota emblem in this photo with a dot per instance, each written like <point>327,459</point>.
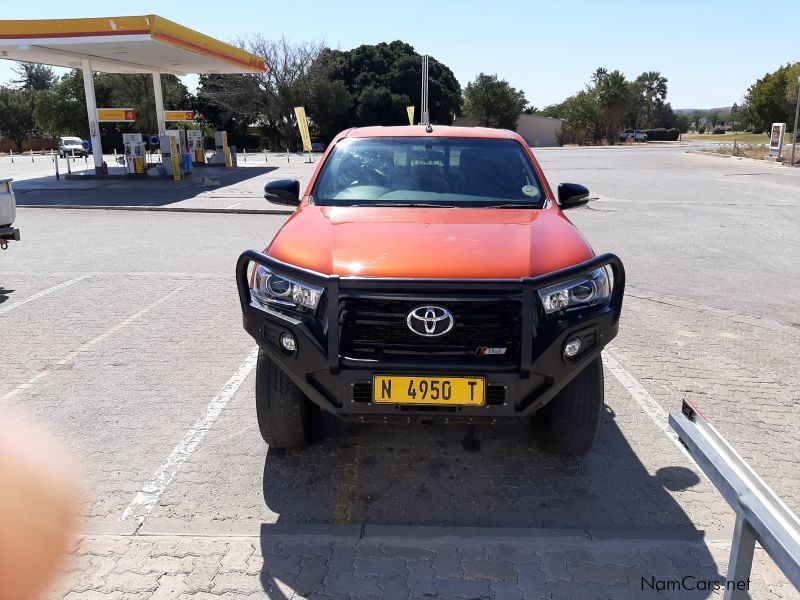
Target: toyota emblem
<point>430,320</point>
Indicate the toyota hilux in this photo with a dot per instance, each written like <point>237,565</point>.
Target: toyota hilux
<point>429,272</point>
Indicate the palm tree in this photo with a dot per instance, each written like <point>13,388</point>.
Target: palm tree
<point>652,88</point>
<point>598,76</point>
<point>614,97</point>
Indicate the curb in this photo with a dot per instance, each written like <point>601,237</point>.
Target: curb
<point>175,209</point>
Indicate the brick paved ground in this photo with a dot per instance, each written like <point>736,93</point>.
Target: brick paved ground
<point>121,364</point>
<point>283,567</point>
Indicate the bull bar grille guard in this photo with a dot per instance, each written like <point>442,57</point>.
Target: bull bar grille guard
<point>525,287</point>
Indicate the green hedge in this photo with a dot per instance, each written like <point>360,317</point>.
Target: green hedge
<point>662,135</point>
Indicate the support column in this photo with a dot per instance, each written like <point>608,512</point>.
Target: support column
<point>740,563</point>
<point>162,125</point>
<point>91,111</point>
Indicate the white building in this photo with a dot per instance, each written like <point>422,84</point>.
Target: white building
<point>538,131</point>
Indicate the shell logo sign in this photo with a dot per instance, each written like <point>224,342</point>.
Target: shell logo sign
<point>179,115</point>
<point>116,115</point>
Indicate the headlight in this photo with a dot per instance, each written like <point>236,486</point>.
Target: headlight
<point>273,290</point>
<point>590,290</point>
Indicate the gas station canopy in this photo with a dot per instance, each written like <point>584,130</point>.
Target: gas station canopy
<point>143,44</point>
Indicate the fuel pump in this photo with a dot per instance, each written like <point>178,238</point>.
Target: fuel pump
<point>194,138</point>
<point>170,156</point>
<point>135,154</point>
<point>223,151</point>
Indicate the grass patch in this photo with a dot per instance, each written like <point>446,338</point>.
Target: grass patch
<point>742,138</point>
<point>754,151</point>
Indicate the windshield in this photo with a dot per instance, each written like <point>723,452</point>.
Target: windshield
<point>72,141</point>
<point>403,171</point>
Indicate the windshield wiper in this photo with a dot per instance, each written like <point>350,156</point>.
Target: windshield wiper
<point>514,205</point>
<point>405,204</point>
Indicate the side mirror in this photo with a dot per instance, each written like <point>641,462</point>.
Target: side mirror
<point>283,191</point>
<point>572,194</point>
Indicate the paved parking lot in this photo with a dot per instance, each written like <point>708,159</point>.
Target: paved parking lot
<point>121,333</point>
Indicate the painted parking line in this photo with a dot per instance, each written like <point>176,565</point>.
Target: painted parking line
<point>147,497</point>
<point>649,404</point>
<point>103,336</point>
<point>42,294</point>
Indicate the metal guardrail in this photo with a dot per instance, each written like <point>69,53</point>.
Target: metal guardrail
<point>760,515</point>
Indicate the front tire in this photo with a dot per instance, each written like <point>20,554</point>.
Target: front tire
<point>286,417</point>
<point>569,424</point>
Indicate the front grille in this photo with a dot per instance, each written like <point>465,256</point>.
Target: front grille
<point>374,328</point>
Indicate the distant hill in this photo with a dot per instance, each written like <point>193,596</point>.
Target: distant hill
<point>723,110</point>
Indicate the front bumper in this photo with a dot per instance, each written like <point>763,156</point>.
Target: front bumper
<point>342,385</point>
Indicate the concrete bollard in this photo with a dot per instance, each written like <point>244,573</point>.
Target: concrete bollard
<point>31,154</point>
<point>12,156</point>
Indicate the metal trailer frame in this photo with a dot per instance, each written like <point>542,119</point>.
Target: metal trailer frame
<point>761,516</point>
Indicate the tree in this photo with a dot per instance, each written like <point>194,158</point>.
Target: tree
<point>385,78</point>
<point>682,122</point>
<point>493,102</point>
<point>650,92</point>
<point>229,102</point>
<point>329,103</point>
<point>236,102</point>
<point>16,115</point>
<point>598,76</point>
<point>771,99</point>
<point>284,85</point>
<point>582,119</point>
<point>33,76</point>
<point>614,98</point>
<point>61,109</point>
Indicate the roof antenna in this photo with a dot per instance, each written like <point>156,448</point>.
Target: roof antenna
<point>426,119</point>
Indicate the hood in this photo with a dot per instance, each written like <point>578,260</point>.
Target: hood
<point>468,243</point>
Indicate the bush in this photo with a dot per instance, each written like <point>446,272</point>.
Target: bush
<point>662,135</point>
<point>701,130</point>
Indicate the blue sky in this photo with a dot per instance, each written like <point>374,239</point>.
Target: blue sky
<point>710,51</point>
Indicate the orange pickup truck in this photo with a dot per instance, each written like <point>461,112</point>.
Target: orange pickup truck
<point>430,273</point>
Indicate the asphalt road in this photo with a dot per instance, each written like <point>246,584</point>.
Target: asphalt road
<point>121,333</point>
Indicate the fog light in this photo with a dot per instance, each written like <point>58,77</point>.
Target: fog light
<point>288,342</point>
<point>572,347</point>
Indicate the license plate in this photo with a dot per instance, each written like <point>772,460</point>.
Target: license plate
<point>450,391</point>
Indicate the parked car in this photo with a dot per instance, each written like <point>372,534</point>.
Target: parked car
<point>71,146</point>
<point>718,129</point>
<point>317,145</point>
<point>430,273</point>
<point>632,134</point>
<point>8,213</point>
